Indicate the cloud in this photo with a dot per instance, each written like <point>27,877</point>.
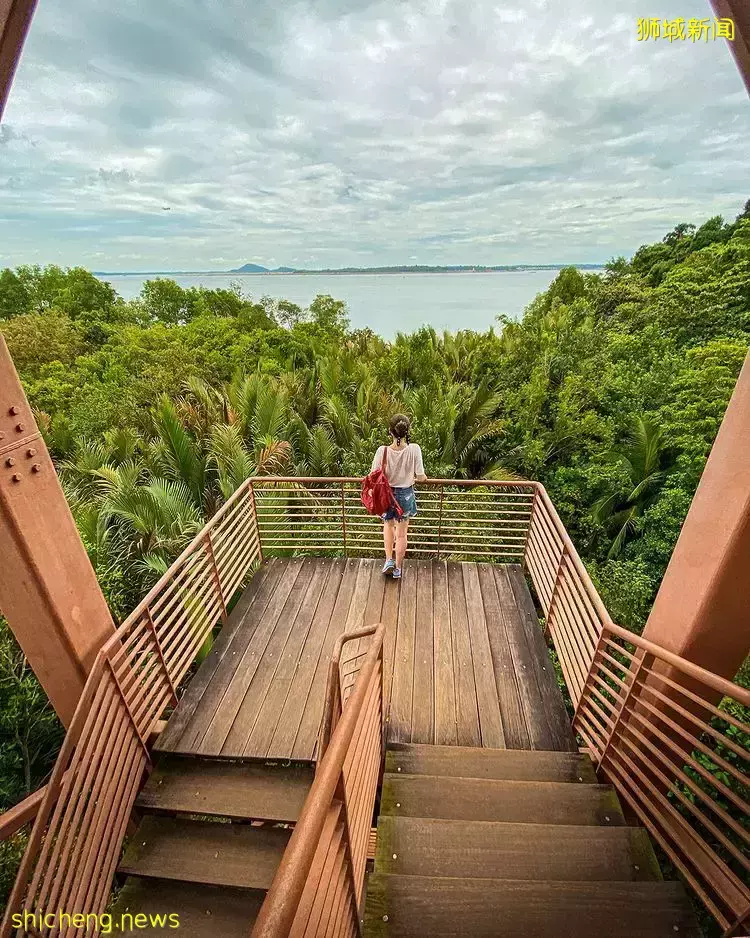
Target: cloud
<point>367,131</point>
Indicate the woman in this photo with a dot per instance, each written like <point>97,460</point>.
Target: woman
<point>403,467</point>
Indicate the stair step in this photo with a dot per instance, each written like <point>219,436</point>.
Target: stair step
<point>439,907</point>
<point>549,852</point>
<point>211,852</point>
<point>483,799</point>
<point>202,910</point>
<point>239,790</point>
<point>511,764</point>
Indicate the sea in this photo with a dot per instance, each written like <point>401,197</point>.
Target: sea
<point>387,303</point>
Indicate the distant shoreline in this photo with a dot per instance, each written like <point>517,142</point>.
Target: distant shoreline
<point>346,271</point>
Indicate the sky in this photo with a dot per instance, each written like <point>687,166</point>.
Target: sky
<point>204,134</point>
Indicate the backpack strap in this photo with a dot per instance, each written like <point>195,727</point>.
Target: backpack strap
<point>383,467</point>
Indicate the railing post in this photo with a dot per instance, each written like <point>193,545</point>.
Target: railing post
<point>160,653</point>
<point>440,520</point>
<point>251,490</point>
<point>595,663</point>
<point>528,529</point>
<point>332,704</point>
<point>620,713</point>
<point>343,517</point>
<point>128,710</point>
<point>217,579</point>
<point>555,590</point>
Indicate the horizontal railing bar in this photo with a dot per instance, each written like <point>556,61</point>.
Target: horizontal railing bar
<point>696,672</point>
<point>652,817</point>
<point>13,819</point>
<point>671,786</point>
<point>266,481</point>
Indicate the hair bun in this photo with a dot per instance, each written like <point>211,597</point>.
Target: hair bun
<point>399,426</point>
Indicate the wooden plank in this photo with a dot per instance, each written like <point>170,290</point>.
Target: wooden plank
<point>511,764</point>
<point>356,617</point>
<point>481,799</point>
<point>399,729</point>
<point>511,704</point>
<point>264,663</point>
<point>289,721</point>
<point>488,703</point>
<point>553,706</point>
<point>307,735</point>
<point>389,615</point>
<point>249,791</point>
<point>539,852</point>
<point>193,696</point>
<point>467,715</point>
<point>423,697</point>
<point>221,679</point>
<point>371,615</point>
<point>208,852</point>
<point>269,714</point>
<point>220,725</point>
<point>439,907</point>
<point>539,735</point>
<point>445,691</point>
<point>201,910</point>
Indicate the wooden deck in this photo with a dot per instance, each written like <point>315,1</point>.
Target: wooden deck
<point>465,661</point>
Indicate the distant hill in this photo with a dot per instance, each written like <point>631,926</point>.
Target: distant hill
<point>257,269</point>
<point>415,269</point>
<point>412,269</point>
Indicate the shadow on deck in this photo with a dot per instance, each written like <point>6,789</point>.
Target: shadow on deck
<point>465,662</point>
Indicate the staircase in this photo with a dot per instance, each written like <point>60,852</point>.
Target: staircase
<point>211,837</point>
<point>493,842</point>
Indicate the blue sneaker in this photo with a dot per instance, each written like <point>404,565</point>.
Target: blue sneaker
<point>396,573</point>
<point>389,565</point>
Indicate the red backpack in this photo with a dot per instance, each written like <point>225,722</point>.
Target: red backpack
<point>377,494</point>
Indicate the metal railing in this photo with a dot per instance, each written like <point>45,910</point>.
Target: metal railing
<point>456,519</point>
<point>665,733</point>
<point>659,728</point>
<point>573,611</point>
<point>672,738</point>
<point>317,889</point>
<point>81,821</point>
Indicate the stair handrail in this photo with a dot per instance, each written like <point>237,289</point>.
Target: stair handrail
<point>282,901</point>
<point>672,737</point>
<point>332,699</point>
<point>80,816</point>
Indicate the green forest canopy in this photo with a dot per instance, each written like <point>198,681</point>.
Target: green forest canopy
<point>610,391</point>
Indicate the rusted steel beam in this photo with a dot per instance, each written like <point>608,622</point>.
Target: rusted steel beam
<point>739,12</point>
<point>15,20</point>
<point>48,590</point>
<point>701,611</point>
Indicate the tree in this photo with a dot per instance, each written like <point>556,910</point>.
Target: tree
<point>166,301</point>
<point>15,298</point>
<point>329,314</point>
<point>679,232</point>
<point>641,459</point>
<point>37,339</point>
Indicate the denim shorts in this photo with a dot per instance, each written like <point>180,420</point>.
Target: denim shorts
<point>407,500</point>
